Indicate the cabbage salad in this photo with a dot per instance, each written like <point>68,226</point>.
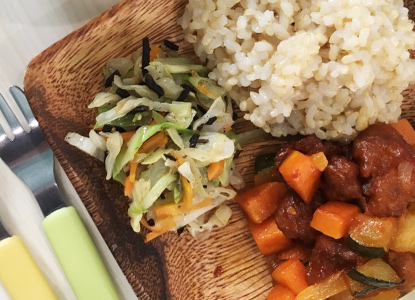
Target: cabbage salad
<point>164,131</point>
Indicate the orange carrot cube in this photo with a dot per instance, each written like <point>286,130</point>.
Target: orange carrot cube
<point>301,173</point>
<point>262,201</point>
<point>333,218</point>
<point>280,292</point>
<point>292,274</point>
<point>268,237</point>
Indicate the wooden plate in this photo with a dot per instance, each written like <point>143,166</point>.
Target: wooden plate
<point>60,83</point>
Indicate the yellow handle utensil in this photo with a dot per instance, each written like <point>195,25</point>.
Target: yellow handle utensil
<point>19,273</point>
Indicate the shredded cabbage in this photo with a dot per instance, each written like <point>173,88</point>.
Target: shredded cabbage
<point>162,158</point>
<point>114,144</point>
<point>85,144</point>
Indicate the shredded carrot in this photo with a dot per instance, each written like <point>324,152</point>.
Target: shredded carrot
<point>126,136</point>
<point>175,209</point>
<point>205,90</point>
<point>165,225</point>
<point>178,157</point>
<point>133,170</point>
<point>187,188</point>
<point>128,186</point>
<point>156,141</point>
<point>167,210</point>
<point>153,122</point>
<point>215,169</point>
<point>187,193</point>
<point>155,50</point>
<point>145,224</point>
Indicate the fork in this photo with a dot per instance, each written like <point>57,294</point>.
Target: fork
<point>30,157</point>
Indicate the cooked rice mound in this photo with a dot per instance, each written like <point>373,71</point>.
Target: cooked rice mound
<point>320,67</point>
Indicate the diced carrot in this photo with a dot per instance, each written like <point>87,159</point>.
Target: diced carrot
<point>133,170</point>
<point>155,50</point>
<point>268,237</point>
<point>301,173</point>
<point>404,127</point>
<point>126,136</point>
<point>333,218</point>
<point>292,274</point>
<point>261,201</point>
<point>215,169</point>
<point>280,292</point>
<point>320,161</point>
<point>156,141</point>
<point>128,186</point>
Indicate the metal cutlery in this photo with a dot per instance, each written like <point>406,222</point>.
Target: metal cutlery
<point>29,156</point>
<point>19,273</point>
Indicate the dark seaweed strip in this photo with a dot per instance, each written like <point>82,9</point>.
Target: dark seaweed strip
<point>188,87</point>
<point>152,84</point>
<point>145,61</point>
<point>201,109</point>
<point>110,79</point>
<point>183,95</point>
<point>122,93</point>
<point>211,120</point>
<point>234,116</point>
<point>109,128</point>
<point>139,109</point>
<point>193,140</point>
<point>171,45</point>
<point>171,157</point>
<point>202,141</point>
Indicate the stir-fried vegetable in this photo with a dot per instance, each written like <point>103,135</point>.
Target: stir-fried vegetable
<point>165,129</point>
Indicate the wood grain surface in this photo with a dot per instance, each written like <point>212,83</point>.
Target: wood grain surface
<point>61,82</point>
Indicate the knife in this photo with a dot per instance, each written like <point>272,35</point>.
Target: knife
<point>64,228</point>
<point>19,273</point>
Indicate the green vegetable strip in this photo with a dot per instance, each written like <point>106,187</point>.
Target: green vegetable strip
<point>139,137</point>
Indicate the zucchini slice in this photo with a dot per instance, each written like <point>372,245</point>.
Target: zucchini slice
<point>264,161</point>
<point>372,281</point>
<point>372,252</point>
<point>376,273</point>
<point>370,235</point>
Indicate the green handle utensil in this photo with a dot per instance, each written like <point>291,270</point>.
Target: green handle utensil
<point>82,265</point>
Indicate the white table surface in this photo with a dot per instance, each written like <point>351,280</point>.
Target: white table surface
<point>26,28</point>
